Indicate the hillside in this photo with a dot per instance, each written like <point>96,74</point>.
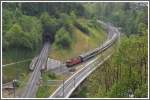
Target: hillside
<point>70,29</point>
<point>81,42</point>
<point>24,32</point>
<point>123,75</point>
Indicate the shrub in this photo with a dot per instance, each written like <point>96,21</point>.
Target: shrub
<point>52,75</point>
<point>82,28</point>
<point>63,38</point>
<point>24,31</point>
<point>65,20</point>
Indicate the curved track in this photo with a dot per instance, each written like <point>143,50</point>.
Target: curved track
<point>70,84</point>
<point>66,89</point>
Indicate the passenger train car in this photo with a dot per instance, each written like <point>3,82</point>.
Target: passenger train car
<point>84,57</point>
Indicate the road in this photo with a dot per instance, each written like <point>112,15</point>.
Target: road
<point>32,84</point>
<point>66,88</point>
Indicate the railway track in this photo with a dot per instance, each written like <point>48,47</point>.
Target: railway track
<point>66,88</point>
<point>32,84</point>
<point>40,64</point>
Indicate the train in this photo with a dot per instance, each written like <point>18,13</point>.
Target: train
<point>84,57</point>
<point>41,58</point>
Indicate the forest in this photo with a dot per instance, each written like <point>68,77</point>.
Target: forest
<point>125,73</point>
<point>30,20</point>
<point>25,25</point>
<point>38,18</point>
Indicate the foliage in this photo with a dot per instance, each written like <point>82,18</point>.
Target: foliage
<point>22,31</point>
<point>49,23</point>
<point>43,91</point>
<point>82,27</point>
<point>53,8</point>
<point>13,35</point>
<point>141,91</point>
<point>23,27</point>
<point>24,23</point>
<point>63,38</point>
<point>52,75</point>
<point>48,85</point>
<point>124,74</point>
<point>32,30</point>
<point>128,16</point>
<point>34,18</point>
<point>78,39</point>
<point>65,20</point>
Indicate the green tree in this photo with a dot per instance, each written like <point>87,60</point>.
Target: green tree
<point>63,38</point>
<point>49,24</point>
<point>13,36</point>
<point>32,29</point>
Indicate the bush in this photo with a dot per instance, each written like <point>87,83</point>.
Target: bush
<point>82,28</point>
<point>63,38</point>
<point>52,75</point>
<point>32,30</point>
<point>73,16</point>
<point>141,92</point>
<point>13,36</point>
<point>25,33</point>
<point>65,20</point>
<point>49,23</point>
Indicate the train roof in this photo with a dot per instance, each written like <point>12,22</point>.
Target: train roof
<point>89,52</point>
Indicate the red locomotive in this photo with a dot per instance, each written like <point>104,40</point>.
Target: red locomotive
<point>73,61</point>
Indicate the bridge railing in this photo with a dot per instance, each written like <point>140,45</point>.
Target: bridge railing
<point>74,80</point>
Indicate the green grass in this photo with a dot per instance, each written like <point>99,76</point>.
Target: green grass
<point>45,88</point>
<point>13,71</point>
<point>50,76</point>
<point>19,70</point>
<point>45,91</point>
<point>81,42</point>
<point>14,55</point>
